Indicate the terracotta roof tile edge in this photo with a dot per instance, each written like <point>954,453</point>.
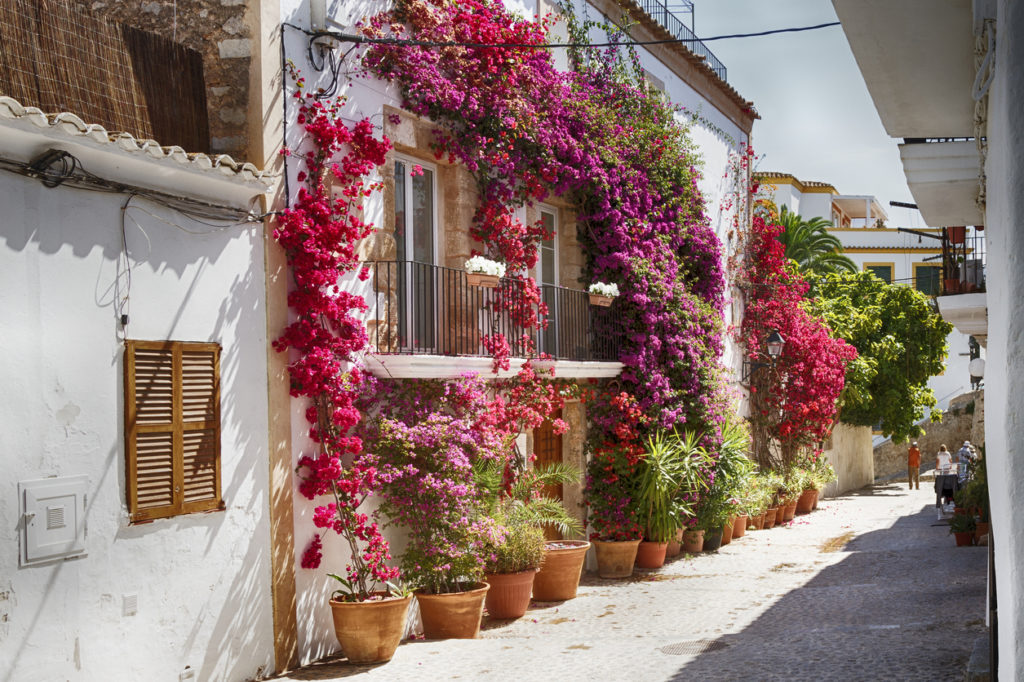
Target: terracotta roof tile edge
<point>70,124</point>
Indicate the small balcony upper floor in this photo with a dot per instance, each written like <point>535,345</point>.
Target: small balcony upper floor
<point>963,302</point>
<point>431,321</point>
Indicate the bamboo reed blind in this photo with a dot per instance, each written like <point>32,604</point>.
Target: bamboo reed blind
<point>58,57</point>
<point>172,428</point>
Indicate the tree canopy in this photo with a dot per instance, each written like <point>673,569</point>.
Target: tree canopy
<point>901,343</point>
<point>811,245</point>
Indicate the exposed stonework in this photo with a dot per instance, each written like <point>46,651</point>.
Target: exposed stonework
<point>220,31</point>
<point>956,427</point>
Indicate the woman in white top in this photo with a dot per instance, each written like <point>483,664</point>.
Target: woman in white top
<point>943,460</point>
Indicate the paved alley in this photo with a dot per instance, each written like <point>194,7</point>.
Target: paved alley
<point>867,587</point>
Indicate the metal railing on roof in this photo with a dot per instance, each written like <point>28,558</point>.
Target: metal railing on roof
<point>659,12</point>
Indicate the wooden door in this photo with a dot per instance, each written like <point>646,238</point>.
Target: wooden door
<point>547,445</point>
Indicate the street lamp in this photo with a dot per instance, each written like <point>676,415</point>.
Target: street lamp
<point>774,344</point>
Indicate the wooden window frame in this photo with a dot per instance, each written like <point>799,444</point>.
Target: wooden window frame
<point>891,265</point>
<point>178,426</point>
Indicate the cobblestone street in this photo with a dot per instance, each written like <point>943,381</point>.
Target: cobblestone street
<point>867,587</point>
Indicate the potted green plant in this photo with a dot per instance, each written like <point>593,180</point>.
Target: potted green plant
<point>513,557</point>
<point>672,464</point>
<point>962,526</point>
<point>515,564</point>
<point>712,512</point>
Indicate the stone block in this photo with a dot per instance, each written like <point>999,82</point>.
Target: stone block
<point>235,48</point>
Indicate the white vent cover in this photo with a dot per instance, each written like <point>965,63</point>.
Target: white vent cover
<point>52,519</point>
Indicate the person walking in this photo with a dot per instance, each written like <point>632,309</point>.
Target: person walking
<point>914,466</point>
<point>964,456</point>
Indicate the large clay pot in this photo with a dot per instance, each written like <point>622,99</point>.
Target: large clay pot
<point>651,554</point>
<point>739,526</point>
<point>712,540</point>
<point>370,631</point>
<point>769,517</point>
<point>980,530</point>
<point>805,503</point>
<point>964,539</point>
<point>758,521</point>
<point>817,494</point>
<point>727,533</point>
<point>693,541</point>
<point>790,510</point>
<point>559,575</point>
<point>780,513</point>
<point>452,615</point>
<point>675,546</point>
<point>509,596</point>
<point>615,559</point>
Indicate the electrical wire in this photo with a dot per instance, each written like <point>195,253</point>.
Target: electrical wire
<point>365,40</point>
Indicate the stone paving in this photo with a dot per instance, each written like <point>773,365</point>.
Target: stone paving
<point>867,587</point>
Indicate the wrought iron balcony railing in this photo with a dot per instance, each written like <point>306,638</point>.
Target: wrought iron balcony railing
<point>422,309</point>
<point>963,260</point>
<point>659,12</point>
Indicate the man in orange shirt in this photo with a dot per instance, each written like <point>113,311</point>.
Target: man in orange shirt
<point>914,466</point>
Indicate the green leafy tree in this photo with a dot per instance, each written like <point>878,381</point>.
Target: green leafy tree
<point>900,341</point>
<point>811,245</point>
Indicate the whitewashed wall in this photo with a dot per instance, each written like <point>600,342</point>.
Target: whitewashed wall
<point>201,580</point>
<point>852,456</point>
<point>1004,390</point>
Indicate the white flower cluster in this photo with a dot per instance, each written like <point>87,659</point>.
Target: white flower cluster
<point>485,266</point>
<point>604,289</point>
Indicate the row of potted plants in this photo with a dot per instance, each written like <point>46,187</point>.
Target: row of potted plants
<point>971,519</point>
<point>685,498</point>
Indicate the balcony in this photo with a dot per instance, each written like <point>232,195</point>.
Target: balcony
<point>427,321</point>
<point>659,12</point>
<point>963,301</point>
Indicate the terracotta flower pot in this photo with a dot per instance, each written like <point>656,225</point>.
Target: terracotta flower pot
<point>370,631</point>
<point>693,541</point>
<point>758,521</point>
<point>780,514</point>
<point>980,530</point>
<point>964,539</point>
<point>479,279</point>
<point>509,596</point>
<point>805,503</point>
<point>790,513</point>
<point>651,554</point>
<point>739,526</point>
<point>559,575</point>
<point>814,504</point>
<point>615,559</point>
<point>769,516</point>
<point>712,540</point>
<point>675,546</point>
<point>727,533</point>
<point>452,615</point>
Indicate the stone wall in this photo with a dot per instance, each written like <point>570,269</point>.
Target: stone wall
<point>957,425</point>
<point>220,30</point>
<point>850,456</point>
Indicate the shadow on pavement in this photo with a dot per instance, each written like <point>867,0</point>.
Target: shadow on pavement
<point>904,603</point>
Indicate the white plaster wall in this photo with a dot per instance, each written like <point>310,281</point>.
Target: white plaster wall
<point>202,580</point>
<point>1004,409</point>
<point>852,457</point>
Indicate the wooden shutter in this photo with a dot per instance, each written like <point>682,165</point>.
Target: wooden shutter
<point>172,428</point>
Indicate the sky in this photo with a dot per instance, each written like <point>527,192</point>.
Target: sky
<point>817,119</point>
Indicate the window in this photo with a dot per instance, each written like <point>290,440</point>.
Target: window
<point>414,237</point>
<point>928,279</point>
<point>547,279</point>
<point>172,428</point>
<point>883,271</point>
